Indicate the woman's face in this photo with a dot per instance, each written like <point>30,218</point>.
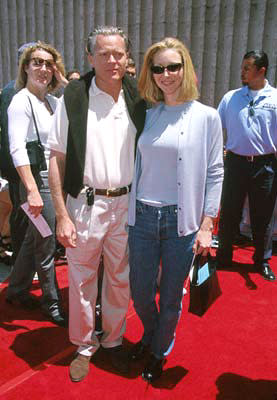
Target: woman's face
<point>40,69</point>
<point>168,82</point>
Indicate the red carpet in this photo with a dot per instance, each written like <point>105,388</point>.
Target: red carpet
<point>229,354</point>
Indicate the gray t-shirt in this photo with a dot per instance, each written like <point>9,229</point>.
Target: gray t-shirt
<point>158,146</point>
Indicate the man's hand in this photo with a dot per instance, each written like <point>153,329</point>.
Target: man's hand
<point>66,232</point>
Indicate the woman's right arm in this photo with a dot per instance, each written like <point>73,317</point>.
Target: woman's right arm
<point>20,116</point>
<point>33,196</point>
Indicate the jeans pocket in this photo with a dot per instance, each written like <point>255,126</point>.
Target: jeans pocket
<point>139,209</point>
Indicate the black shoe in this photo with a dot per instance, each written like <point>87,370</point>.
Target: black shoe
<point>56,316</point>
<point>119,358</point>
<point>266,271</point>
<point>27,301</point>
<point>59,319</point>
<point>138,351</point>
<point>153,369</point>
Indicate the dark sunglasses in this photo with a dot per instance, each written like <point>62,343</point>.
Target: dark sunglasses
<point>158,69</point>
<point>39,62</point>
<point>251,108</point>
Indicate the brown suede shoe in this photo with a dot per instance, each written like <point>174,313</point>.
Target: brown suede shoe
<point>79,368</point>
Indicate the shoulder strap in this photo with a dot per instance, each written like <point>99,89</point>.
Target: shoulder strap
<point>35,122</point>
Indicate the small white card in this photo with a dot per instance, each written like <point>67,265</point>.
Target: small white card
<point>39,221</point>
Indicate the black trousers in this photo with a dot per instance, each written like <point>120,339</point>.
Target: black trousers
<point>18,219</point>
<point>258,180</point>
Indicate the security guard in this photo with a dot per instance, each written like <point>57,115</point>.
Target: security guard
<point>249,116</point>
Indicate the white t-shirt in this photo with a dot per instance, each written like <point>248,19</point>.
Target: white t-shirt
<point>111,134</point>
<point>21,124</point>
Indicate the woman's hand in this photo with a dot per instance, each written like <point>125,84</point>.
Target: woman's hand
<point>66,232</point>
<point>60,77</point>
<point>202,242</point>
<point>35,202</point>
<point>203,238</point>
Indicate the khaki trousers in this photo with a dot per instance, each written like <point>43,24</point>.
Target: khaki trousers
<point>5,212</point>
<point>101,228</point>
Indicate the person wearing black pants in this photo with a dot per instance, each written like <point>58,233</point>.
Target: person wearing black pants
<point>256,177</point>
<point>249,116</point>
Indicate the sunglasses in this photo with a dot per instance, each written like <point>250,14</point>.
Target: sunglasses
<point>158,69</point>
<point>251,108</point>
<point>39,62</point>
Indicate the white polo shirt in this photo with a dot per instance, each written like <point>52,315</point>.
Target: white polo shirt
<point>110,145</point>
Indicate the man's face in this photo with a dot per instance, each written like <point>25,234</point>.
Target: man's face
<point>250,74</point>
<point>109,58</point>
<point>131,70</point>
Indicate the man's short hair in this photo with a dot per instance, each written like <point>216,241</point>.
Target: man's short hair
<point>260,58</point>
<point>106,31</point>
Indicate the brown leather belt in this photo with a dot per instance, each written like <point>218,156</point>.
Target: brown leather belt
<point>262,157</point>
<point>112,192</point>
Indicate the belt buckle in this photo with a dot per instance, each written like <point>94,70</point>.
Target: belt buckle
<point>109,192</point>
<point>250,158</point>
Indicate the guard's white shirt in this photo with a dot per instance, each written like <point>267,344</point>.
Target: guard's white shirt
<point>110,145</point>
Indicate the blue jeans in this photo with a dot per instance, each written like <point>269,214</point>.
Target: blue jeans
<point>154,238</point>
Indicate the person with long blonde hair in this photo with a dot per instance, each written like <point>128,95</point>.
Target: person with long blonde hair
<point>175,195</point>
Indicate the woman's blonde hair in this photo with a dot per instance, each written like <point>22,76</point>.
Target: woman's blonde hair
<point>25,59</point>
<point>146,84</point>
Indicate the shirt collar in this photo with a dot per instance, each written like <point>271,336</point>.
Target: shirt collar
<point>95,91</point>
<point>265,91</point>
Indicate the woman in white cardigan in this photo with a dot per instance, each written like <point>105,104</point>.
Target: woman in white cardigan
<point>175,195</point>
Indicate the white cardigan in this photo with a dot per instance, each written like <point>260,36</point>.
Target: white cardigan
<point>199,166</point>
